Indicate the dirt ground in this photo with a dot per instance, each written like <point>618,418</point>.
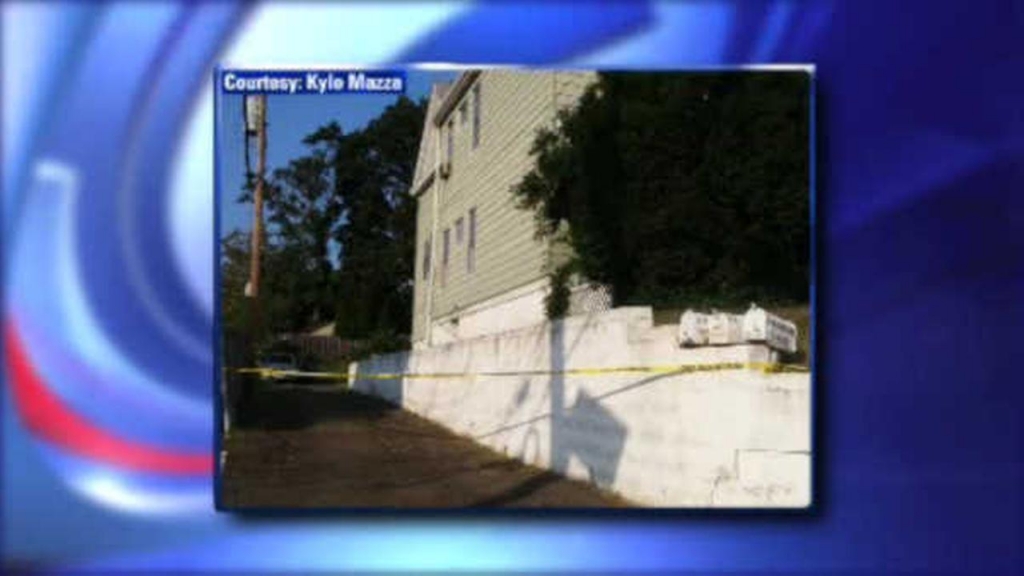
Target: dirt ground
<point>324,447</point>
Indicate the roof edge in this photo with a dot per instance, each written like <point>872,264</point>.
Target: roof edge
<point>455,94</point>
<point>420,187</point>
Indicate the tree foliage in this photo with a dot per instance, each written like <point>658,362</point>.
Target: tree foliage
<point>350,190</point>
<point>681,188</point>
<point>280,303</point>
<point>374,169</point>
<point>303,214</point>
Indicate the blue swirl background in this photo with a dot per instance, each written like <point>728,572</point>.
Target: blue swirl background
<point>107,215</point>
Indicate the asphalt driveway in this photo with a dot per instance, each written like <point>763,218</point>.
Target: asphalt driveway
<point>326,447</point>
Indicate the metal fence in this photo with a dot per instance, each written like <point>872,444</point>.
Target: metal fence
<point>587,298</point>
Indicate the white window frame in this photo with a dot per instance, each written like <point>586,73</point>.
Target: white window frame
<point>450,150</point>
<point>471,242</point>
<point>426,259</point>
<point>477,121</point>
<point>445,255</point>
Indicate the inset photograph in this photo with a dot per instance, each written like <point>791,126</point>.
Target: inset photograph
<point>498,288</point>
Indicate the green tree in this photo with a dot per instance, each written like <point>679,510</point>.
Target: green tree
<point>234,274</point>
<point>350,188</point>
<point>373,171</point>
<point>277,303</point>
<point>681,188</point>
<point>303,215</point>
<point>300,215</point>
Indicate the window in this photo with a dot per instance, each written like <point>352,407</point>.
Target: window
<point>451,140</point>
<point>476,115</point>
<point>463,113</point>
<point>426,259</point>
<point>458,231</point>
<point>471,242</point>
<point>444,256</point>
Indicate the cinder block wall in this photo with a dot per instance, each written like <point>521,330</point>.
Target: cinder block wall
<point>732,438</point>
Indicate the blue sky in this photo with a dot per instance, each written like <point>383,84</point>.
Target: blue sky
<point>289,120</point>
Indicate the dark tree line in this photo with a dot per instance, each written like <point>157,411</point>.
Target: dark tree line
<point>349,190</point>
<point>681,189</point>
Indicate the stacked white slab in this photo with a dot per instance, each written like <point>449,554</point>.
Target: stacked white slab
<point>724,438</point>
<point>756,325</point>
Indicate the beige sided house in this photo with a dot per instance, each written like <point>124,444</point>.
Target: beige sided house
<point>479,268</point>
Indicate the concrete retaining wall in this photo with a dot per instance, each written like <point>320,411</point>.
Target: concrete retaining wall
<point>734,438</point>
<point>511,311</point>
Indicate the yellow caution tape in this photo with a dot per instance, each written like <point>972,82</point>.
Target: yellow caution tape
<point>764,367</point>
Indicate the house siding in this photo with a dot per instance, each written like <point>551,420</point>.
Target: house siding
<point>423,214</point>
<point>514,105</point>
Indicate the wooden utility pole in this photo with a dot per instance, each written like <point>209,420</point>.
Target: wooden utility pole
<point>257,225</point>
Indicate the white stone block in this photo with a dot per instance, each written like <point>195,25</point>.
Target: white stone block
<point>725,328</point>
<point>761,326</point>
<point>693,329</point>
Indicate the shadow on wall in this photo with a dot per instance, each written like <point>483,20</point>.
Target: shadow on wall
<point>586,432</point>
<point>599,439</point>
